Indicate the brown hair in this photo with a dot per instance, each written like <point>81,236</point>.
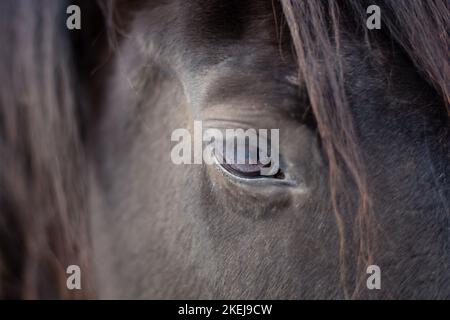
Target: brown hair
<point>420,28</point>
<point>43,190</point>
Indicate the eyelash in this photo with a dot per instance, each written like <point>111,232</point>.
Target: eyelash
<point>233,169</point>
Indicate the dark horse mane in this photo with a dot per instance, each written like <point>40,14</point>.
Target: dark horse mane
<point>46,108</point>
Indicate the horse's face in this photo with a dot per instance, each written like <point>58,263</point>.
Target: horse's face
<point>188,231</point>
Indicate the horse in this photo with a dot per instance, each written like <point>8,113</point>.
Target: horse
<point>86,177</point>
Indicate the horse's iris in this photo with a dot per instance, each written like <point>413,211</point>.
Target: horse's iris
<point>247,166</point>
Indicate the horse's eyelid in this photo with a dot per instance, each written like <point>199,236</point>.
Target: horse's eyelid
<point>246,175</point>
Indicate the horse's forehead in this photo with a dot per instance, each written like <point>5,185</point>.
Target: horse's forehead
<point>216,19</point>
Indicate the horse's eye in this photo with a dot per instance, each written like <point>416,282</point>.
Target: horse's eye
<point>245,165</point>
<point>250,171</point>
